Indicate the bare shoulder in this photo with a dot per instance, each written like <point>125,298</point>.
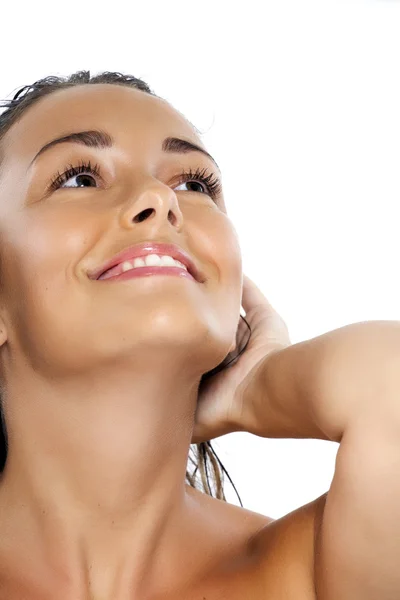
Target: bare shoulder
<point>272,558</point>
<point>287,547</point>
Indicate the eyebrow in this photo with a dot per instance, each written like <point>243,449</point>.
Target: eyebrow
<point>100,139</point>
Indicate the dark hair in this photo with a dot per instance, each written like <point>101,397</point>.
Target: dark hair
<point>203,454</point>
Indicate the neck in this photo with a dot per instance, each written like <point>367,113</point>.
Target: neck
<point>95,475</point>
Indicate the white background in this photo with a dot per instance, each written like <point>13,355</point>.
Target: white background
<point>300,104</point>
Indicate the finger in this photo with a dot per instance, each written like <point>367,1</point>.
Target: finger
<point>252,296</point>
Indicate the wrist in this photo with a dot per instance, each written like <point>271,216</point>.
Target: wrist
<point>256,403</point>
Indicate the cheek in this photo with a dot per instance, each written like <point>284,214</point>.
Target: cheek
<point>45,243</point>
<point>40,252</point>
<point>218,238</point>
<point>226,285</point>
<point>228,252</point>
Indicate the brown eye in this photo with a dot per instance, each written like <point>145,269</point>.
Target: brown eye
<point>210,183</point>
<point>195,183</point>
<point>82,180</point>
<point>84,173</point>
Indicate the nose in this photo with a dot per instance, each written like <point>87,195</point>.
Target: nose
<point>158,203</point>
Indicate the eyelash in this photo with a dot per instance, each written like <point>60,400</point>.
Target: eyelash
<point>211,182</point>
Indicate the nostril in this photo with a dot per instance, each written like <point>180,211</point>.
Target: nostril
<point>143,215</point>
<point>171,217</point>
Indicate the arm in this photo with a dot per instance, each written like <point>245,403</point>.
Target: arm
<point>316,388</point>
<point>345,386</point>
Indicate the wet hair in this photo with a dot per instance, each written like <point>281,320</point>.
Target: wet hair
<point>202,457</point>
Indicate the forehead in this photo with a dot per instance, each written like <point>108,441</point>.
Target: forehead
<point>113,107</point>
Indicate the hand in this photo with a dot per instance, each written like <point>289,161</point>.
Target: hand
<point>222,405</point>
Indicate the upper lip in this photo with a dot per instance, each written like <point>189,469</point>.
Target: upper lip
<point>144,249</point>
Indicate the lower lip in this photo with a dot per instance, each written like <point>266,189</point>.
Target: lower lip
<point>149,271</point>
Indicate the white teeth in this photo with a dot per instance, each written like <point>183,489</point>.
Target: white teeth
<point>139,262</point>
<point>178,262</point>
<point>126,266</point>
<point>152,260</point>
<point>168,261</point>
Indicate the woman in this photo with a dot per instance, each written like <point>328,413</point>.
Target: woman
<point>111,368</point>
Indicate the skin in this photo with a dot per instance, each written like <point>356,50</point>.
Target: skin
<point>101,379</point>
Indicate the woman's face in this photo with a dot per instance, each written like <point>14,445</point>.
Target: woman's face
<point>51,313</point>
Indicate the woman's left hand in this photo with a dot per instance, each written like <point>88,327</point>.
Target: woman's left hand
<point>222,405</point>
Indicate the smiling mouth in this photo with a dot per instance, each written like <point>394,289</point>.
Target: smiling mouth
<point>149,260</point>
<point>149,254</point>
<point>147,270</point>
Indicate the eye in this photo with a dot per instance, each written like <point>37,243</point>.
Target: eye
<point>84,173</point>
<point>195,183</point>
<point>210,183</point>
